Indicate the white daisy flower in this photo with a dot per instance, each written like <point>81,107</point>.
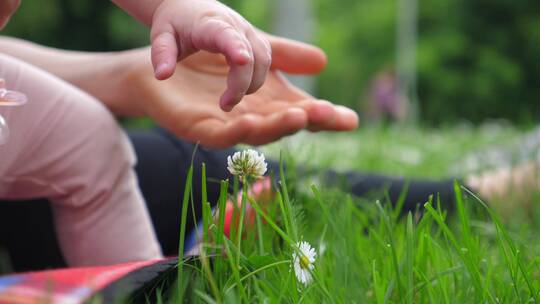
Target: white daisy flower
<point>303,259</point>
<point>247,163</point>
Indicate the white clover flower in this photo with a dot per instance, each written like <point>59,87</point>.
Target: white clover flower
<point>247,163</point>
<point>303,259</point>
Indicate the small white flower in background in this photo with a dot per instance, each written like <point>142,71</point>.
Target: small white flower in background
<point>247,163</point>
<point>303,259</point>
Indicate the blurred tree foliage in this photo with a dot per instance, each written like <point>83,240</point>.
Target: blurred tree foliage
<point>477,59</point>
<point>77,24</point>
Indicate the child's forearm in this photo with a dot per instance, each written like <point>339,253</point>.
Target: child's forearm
<point>64,64</point>
<point>92,72</point>
<point>140,10</point>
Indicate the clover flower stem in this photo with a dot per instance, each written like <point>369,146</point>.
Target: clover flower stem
<point>259,234</point>
<point>245,191</point>
<point>236,209</point>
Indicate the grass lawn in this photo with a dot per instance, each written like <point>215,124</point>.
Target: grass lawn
<point>366,252</point>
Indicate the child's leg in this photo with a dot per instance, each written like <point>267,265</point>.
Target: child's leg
<point>67,147</point>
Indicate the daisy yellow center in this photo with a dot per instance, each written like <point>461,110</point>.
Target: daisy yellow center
<point>304,262</point>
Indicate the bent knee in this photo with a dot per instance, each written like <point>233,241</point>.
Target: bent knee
<point>76,149</point>
<point>99,155</point>
<point>63,141</point>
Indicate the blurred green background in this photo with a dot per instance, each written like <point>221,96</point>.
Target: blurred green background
<point>476,59</point>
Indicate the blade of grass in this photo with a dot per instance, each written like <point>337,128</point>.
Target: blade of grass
<point>222,203</point>
<point>270,222</point>
<point>183,219</point>
<point>286,201</point>
<point>377,286</point>
<point>245,192</point>
<point>204,198</point>
<point>260,237</point>
<point>471,267</point>
<point>209,275</point>
<point>409,259</point>
<point>324,207</point>
<point>279,198</point>
<point>206,298</point>
<point>254,272</point>
<point>503,236</point>
<point>235,270</point>
<point>401,201</point>
<point>390,235</point>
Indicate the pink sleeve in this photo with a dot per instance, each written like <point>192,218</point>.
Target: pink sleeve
<point>65,146</point>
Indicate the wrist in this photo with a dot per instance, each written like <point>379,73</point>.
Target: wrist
<point>100,75</point>
<point>109,77</point>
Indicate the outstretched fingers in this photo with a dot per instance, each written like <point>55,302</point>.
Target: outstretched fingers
<point>321,115</point>
<point>275,126</point>
<point>217,133</point>
<point>343,119</point>
<point>248,128</point>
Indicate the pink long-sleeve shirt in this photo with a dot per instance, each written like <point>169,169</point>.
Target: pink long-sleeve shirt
<point>65,146</point>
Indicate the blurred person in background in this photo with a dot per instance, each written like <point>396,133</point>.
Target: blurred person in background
<point>383,102</point>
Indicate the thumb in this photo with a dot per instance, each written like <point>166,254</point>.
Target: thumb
<point>295,57</point>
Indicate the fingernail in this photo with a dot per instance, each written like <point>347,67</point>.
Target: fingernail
<point>345,110</point>
<point>160,69</point>
<point>244,53</point>
<point>322,102</point>
<point>227,107</point>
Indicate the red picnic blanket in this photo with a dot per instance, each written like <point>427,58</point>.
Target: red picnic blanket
<point>77,285</point>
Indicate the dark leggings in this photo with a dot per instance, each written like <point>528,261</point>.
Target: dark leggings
<point>27,232</point>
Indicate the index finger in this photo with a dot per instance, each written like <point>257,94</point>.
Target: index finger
<point>220,37</point>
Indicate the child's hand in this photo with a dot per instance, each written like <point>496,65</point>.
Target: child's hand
<point>182,27</point>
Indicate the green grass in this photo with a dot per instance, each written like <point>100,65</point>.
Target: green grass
<point>367,252</point>
<point>412,152</point>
